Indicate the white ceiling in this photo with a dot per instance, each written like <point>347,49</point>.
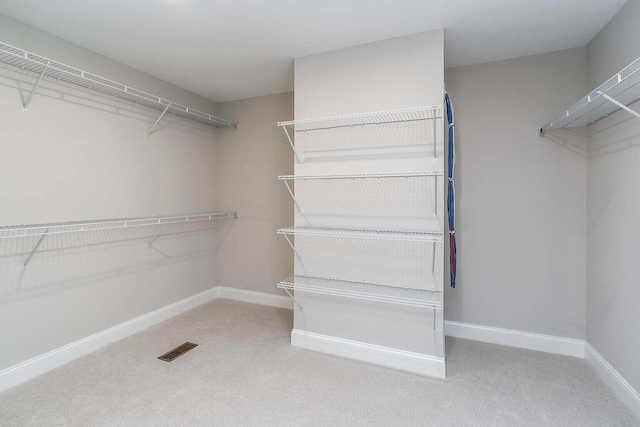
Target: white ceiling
<point>235,49</point>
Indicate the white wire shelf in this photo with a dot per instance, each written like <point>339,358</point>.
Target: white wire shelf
<point>362,175</point>
<point>377,117</point>
<point>356,233</point>
<point>618,92</point>
<point>18,231</point>
<point>414,297</point>
<point>46,67</point>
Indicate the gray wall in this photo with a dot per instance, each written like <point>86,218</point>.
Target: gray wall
<point>78,156</point>
<point>613,207</point>
<point>520,198</point>
<point>250,159</point>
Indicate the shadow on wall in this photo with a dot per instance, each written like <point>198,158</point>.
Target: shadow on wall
<point>619,131</point>
<point>572,139</point>
<point>23,82</point>
<point>64,261</point>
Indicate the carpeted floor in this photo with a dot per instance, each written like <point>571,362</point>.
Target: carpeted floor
<point>244,372</point>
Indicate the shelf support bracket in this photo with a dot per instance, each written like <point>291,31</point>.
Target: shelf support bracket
<point>286,132</point>
<point>158,121</point>
<point>158,234</point>
<point>35,249</point>
<point>292,247</point>
<point>620,104</point>
<point>292,196</point>
<point>25,106</point>
<point>294,300</point>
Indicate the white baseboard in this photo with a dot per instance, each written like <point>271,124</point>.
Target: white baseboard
<point>512,338</point>
<point>621,388</point>
<point>38,365</point>
<point>254,297</point>
<point>397,359</point>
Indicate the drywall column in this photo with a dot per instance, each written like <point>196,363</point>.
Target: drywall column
<point>392,74</point>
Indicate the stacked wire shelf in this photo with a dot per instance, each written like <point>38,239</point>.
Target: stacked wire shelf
<point>313,218</point>
<point>414,297</point>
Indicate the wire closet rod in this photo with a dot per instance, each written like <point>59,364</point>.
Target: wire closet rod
<point>17,231</point>
<point>43,66</point>
<point>362,175</point>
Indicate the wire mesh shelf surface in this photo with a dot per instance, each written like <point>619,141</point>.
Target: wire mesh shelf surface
<point>623,87</point>
<point>362,175</point>
<point>378,117</point>
<point>38,64</point>
<point>415,297</point>
<point>17,231</point>
<point>413,236</point>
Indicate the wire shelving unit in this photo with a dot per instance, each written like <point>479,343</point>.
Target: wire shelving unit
<point>357,233</point>
<point>616,93</point>
<point>424,113</point>
<point>43,230</point>
<point>408,296</point>
<point>45,67</point>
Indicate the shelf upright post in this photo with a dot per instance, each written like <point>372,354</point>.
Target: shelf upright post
<point>435,134</point>
<point>25,106</point>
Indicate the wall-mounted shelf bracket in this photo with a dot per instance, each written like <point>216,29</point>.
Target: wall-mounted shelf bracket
<point>292,247</point>
<point>158,121</point>
<point>35,249</point>
<point>620,104</point>
<point>25,106</point>
<point>293,298</point>
<point>295,152</point>
<point>157,235</point>
<point>292,196</point>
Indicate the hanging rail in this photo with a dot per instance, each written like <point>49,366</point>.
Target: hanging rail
<point>377,292</point>
<point>616,93</point>
<point>43,230</point>
<point>432,112</point>
<point>47,67</point>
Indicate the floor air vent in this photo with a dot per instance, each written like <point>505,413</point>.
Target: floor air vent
<point>177,352</point>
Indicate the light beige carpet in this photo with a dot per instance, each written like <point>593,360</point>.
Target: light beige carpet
<point>244,372</point>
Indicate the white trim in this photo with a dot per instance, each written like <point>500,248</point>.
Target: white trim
<point>254,297</point>
<point>513,338</point>
<point>621,388</point>
<point>38,365</point>
<point>397,359</point>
